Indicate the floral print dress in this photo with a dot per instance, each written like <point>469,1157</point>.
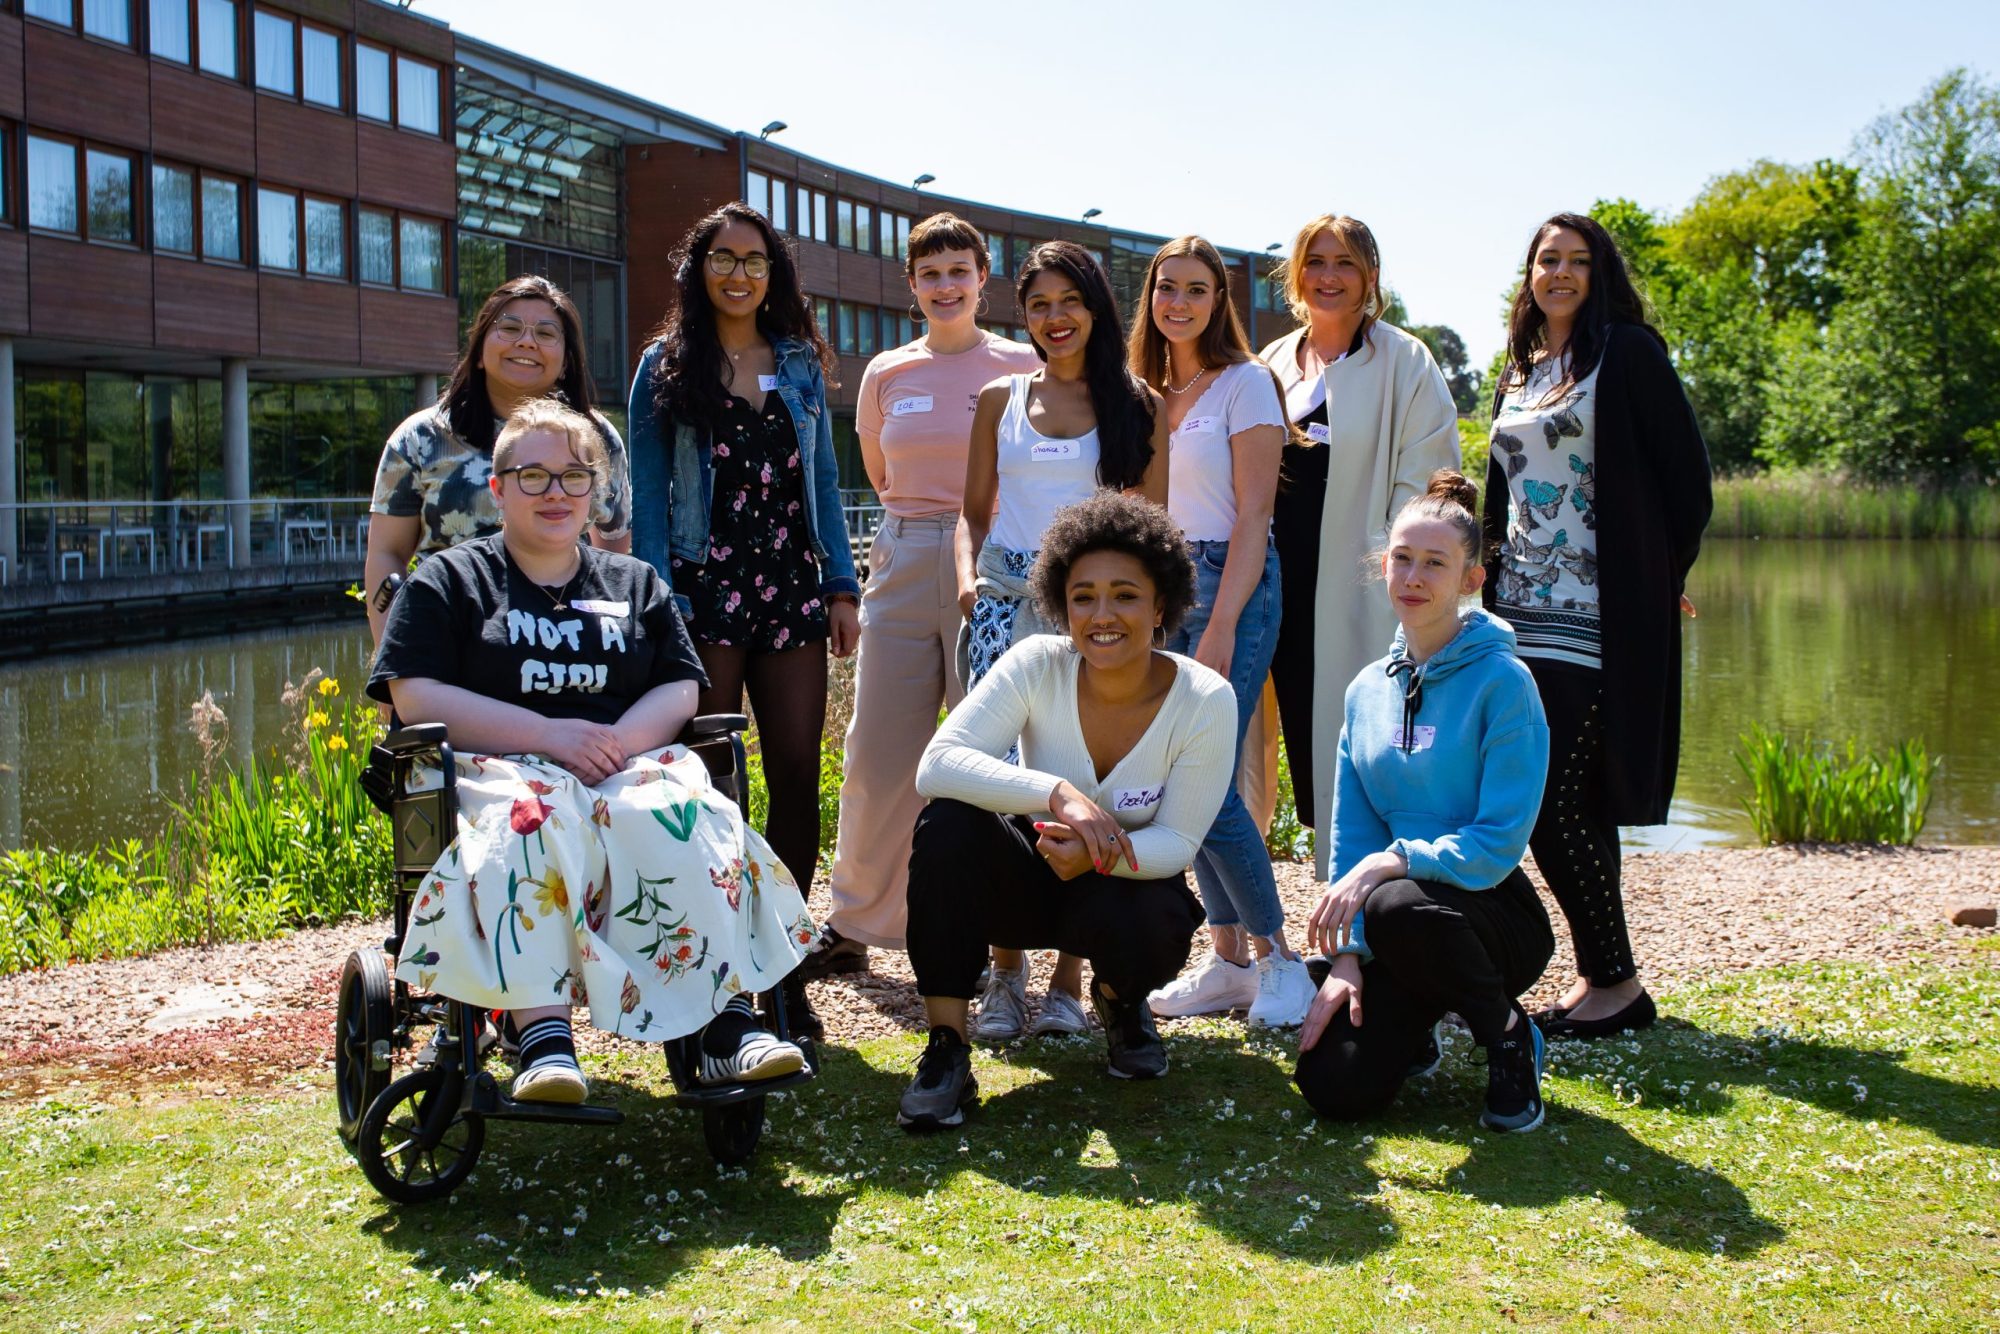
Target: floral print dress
<point>759,588</point>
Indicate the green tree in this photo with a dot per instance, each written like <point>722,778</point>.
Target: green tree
<point>1448,350</point>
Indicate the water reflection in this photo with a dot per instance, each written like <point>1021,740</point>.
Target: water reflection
<point>1876,640</point>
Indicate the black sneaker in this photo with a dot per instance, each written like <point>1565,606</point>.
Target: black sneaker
<point>1429,1056</point>
<point>1514,1079</point>
<point>1136,1049</point>
<point>944,1087</point>
<point>832,953</point>
<point>801,1020</point>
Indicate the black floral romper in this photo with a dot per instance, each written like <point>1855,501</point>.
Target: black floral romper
<point>760,587</point>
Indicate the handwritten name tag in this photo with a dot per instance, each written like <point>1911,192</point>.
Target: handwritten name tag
<point>1190,425</point>
<point>767,382</point>
<point>1046,451</point>
<point>905,406</point>
<point>1423,738</point>
<point>602,607</point>
<point>1137,798</point>
<point>1318,432</point>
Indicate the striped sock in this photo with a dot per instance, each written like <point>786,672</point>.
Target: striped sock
<point>547,1042</point>
<point>725,1032</point>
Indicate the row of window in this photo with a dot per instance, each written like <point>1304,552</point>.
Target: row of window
<point>806,213</point>
<point>93,192</point>
<point>289,57</point>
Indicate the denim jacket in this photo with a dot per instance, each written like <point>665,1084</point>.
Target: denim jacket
<point>673,479</point>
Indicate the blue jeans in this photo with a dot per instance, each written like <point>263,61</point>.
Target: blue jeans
<point>1233,867</point>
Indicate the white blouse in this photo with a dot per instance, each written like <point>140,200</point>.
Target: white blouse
<point>1165,792</point>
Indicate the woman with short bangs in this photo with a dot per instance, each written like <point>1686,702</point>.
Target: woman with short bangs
<point>1039,442</point>
<point>1226,435</point>
<point>737,499</point>
<point>1375,419</point>
<point>526,342</point>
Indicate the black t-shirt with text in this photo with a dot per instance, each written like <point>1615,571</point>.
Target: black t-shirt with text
<point>468,617</point>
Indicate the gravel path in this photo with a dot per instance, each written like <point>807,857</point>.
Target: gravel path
<point>257,1013</point>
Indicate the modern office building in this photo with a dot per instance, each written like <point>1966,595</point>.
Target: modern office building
<point>238,242</point>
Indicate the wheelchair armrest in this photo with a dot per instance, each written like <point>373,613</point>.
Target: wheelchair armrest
<point>710,726</point>
<point>422,736</point>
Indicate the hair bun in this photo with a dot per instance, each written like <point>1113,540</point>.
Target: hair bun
<point>1452,485</point>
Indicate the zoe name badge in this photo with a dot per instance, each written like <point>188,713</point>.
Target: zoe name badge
<point>767,382</point>
<point>1047,451</point>
<point>1423,738</point>
<point>1318,433</point>
<point>905,406</point>
<point>1137,798</point>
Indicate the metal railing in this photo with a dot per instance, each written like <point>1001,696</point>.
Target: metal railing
<point>68,541</point>
<point>864,515</point>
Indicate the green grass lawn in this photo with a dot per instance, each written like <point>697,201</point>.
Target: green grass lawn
<point>1807,1148</point>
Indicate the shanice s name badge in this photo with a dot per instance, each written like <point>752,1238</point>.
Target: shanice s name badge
<point>767,382</point>
<point>1046,451</point>
<point>1420,737</point>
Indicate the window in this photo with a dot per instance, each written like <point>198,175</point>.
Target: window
<point>326,238</point>
<point>109,19</point>
<point>110,185</point>
<point>221,219</point>
<point>1018,249</point>
<point>781,194</point>
<point>902,236</point>
<point>277,229</point>
<point>51,184</point>
<point>173,209</point>
<point>371,82</point>
<point>277,69</point>
<point>996,250</point>
<point>757,192</point>
<point>863,241</point>
<point>167,22</point>
<point>55,11</point>
<point>423,255</point>
<point>319,63</point>
<point>888,236</point>
<point>823,315</point>
<point>216,26</point>
<point>819,232</point>
<point>843,224</point>
<point>6,166</point>
<point>846,342</point>
<point>868,329</point>
<point>416,95</point>
<point>376,262</point>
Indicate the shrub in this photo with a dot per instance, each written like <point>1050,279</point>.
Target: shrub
<point>1813,792</point>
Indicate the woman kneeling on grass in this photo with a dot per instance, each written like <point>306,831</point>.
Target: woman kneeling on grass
<point>595,863</point>
<point>1126,752</point>
<point>1437,782</point>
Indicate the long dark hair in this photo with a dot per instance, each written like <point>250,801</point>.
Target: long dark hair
<point>464,399</point>
<point>690,384</point>
<point>1612,299</point>
<point>1123,407</point>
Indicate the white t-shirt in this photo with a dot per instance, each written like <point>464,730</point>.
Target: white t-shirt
<point>1039,474</point>
<point>1201,479</point>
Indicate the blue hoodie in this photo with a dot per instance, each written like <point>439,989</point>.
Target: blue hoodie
<point>1458,795</point>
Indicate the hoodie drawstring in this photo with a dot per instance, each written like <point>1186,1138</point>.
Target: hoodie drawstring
<point>1413,697</point>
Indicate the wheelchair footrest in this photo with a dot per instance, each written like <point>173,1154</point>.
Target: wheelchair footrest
<point>717,1095</point>
<point>488,1101</point>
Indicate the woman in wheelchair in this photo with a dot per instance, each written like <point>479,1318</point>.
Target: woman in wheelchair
<point>595,863</point>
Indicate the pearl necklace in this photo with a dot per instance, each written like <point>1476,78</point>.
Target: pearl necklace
<point>1189,385</point>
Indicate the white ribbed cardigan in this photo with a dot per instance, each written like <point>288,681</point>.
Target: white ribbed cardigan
<point>1188,753</point>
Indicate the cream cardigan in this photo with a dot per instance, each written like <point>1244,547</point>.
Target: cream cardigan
<point>1166,790</point>
<point>1390,424</point>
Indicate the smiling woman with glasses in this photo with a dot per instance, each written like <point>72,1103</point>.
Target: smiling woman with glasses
<point>431,486</point>
<point>736,498</point>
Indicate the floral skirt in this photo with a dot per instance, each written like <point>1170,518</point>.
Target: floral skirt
<point>646,898</point>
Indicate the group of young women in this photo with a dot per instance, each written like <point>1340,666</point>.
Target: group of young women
<point>1096,549</point>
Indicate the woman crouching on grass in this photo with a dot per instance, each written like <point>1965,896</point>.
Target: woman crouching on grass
<point>594,862</point>
<point>1437,782</point>
<point>1126,753</point>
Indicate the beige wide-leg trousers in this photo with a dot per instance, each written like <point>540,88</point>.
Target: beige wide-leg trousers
<point>903,675</point>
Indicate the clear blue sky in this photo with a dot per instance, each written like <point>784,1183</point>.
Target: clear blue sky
<point>1450,127</point>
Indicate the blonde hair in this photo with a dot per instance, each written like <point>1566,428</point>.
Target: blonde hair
<point>551,416</point>
<point>1360,243</point>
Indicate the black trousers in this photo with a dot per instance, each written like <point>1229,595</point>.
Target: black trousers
<point>976,880</point>
<point>1437,948</point>
<point>1575,846</point>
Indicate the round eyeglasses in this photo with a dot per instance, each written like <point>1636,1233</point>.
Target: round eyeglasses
<point>534,481</point>
<point>721,263</point>
<point>547,333</point>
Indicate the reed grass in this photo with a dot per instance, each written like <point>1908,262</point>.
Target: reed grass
<point>1816,792</point>
<point>1826,505</point>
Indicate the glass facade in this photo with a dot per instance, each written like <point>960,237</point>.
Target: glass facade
<point>596,286</point>
<point>531,174</point>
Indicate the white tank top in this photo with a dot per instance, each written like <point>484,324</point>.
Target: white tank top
<point>1039,474</point>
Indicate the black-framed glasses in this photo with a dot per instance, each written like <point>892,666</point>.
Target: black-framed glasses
<point>721,263</point>
<point>534,481</point>
<point>547,332</point>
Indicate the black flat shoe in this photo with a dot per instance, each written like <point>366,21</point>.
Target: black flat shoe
<point>1554,1014</point>
<point>833,953</point>
<point>1641,1013</point>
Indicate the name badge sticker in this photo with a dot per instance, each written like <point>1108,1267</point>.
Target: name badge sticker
<point>602,607</point>
<point>906,406</point>
<point>1318,433</point>
<point>1190,425</point>
<point>1047,451</point>
<point>767,382</point>
<point>1425,737</point>
<point>1137,798</point>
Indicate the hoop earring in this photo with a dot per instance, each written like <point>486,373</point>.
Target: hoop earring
<point>917,315</point>
<point>980,309</point>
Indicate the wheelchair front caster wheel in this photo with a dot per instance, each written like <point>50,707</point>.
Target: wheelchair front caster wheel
<point>416,1142</point>
<point>733,1129</point>
<point>361,1027</point>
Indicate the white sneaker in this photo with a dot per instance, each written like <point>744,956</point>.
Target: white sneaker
<point>1284,993</point>
<point>1003,1009</point>
<point>1061,1015</point>
<point>1214,988</point>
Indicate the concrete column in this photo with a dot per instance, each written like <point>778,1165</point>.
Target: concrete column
<point>10,522</point>
<point>427,390</point>
<point>236,452</point>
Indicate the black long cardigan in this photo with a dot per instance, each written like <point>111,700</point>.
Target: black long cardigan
<point>1653,501</point>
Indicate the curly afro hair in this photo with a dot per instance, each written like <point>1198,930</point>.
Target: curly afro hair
<point>1112,521</point>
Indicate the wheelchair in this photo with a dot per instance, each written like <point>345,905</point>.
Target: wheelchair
<point>418,1135</point>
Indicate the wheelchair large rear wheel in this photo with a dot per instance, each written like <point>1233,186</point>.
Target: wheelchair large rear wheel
<point>416,1142</point>
<point>733,1129</point>
<point>361,1036</point>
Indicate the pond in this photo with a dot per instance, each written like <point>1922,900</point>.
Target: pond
<point>1874,640</point>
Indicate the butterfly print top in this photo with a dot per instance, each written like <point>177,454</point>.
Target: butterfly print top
<point>1545,438</point>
